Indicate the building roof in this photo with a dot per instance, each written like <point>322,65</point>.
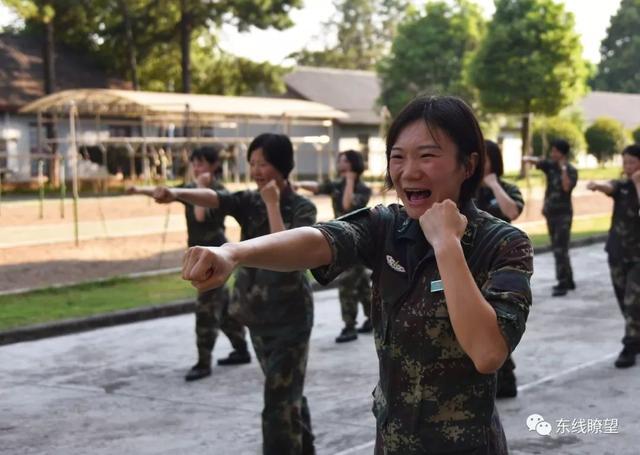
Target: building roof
<point>21,72</point>
<point>624,107</point>
<point>351,91</point>
<point>164,106</point>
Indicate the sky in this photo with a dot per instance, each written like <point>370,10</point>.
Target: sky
<point>592,19</point>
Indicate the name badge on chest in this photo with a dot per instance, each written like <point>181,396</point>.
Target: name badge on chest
<point>436,286</point>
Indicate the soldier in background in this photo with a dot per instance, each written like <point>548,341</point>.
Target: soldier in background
<point>558,209</point>
<point>502,200</point>
<point>277,307</point>
<point>623,248</point>
<point>348,193</point>
<point>206,227</point>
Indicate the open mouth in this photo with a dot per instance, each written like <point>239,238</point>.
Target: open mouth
<point>417,195</point>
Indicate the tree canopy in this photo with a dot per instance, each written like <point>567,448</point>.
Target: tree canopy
<point>431,53</point>
<point>605,138</point>
<point>363,30</point>
<point>619,67</point>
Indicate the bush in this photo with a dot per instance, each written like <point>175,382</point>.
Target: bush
<point>605,138</point>
<point>549,129</point>
<point>636,135</point>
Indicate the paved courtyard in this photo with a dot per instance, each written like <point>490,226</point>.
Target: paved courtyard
<point>121,390</point>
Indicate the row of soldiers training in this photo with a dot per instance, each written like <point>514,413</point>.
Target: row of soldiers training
<point>442,276</point>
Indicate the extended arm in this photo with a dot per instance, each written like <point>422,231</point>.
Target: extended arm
<point>606,187</point>
<point>144,190</point>
<point>295,249</point>
<point>203,197</point>
<point>307,185</point>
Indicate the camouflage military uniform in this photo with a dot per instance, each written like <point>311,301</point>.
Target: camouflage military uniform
<point>277,308</point>
<point>558,211</point>
<point>487,201</point>
<point>212,306</point>
<point>623,247</point>
<point>354,285</point>
<point>430,399</point>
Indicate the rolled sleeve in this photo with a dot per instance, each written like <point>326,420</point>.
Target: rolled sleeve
<point>508,288</point>
<point>350,239</point>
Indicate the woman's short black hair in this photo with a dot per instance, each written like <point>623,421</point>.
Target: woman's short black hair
<point>494,155</point>
<point>208,153</point>
<point>632,150</point>
<point>561,145</point>
<point>455,118</point>
<point>277,150</point>
<point>355,160</point>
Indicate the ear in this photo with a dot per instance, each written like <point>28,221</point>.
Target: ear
<point>472,164</point>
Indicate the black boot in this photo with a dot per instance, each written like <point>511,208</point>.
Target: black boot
<point>198,371</point>
<point>366,326</point>
<point>348,334</point>
<point>559,290</point>
<point>236,358</point>
<point>626,358</point>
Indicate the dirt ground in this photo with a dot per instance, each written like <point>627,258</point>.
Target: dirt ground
<point>49,264</point>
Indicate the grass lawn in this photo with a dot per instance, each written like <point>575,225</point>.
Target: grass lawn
<point>120,294</point>
<point>581,228</point>
<point>90,299</point>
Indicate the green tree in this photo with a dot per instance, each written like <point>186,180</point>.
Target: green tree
<point>605,138</point>
<point>431,53</point>
<point>619,67</point>
<point>636,135</point>
<point>549,129</point>
<point>214,71</point>
<point>363,30</point>
<point>529,62</point>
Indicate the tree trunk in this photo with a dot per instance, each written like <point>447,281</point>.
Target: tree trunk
<point>131,50</point>
<point>186,26</point>
<point>49,68</point>
<point>525,136</point>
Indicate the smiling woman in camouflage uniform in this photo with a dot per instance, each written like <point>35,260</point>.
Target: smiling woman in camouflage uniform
<point>623,247</point>
<point>276,307</point>
<point>451,284</point>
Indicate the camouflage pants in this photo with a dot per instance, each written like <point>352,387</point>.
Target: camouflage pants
<point>286,421</point>
<point>626,284</point>
<point>211,316</point>
<point>560,233</point>
<point>354,286</point>
<point>505,373</point>
<point>496,443</point>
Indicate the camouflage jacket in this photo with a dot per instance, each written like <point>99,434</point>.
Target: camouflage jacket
<point>266,301</point>
<point>624,236</point>
<point>556,200</point>
<point>335,188</point>
<point>487,201</point>
<point>430,398</point>
<point>209,232</point>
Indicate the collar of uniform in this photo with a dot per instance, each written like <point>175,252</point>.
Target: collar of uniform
<point>469,210</point>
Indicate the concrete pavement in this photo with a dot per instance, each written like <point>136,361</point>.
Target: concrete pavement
<point>121,390</point>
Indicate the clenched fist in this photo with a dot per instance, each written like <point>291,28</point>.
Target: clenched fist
<point>207,267</point>
<point>163,195</point>
<point>270,193</point>
<point>443,222</point>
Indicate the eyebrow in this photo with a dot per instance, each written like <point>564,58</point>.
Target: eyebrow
<point>420,147</point>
